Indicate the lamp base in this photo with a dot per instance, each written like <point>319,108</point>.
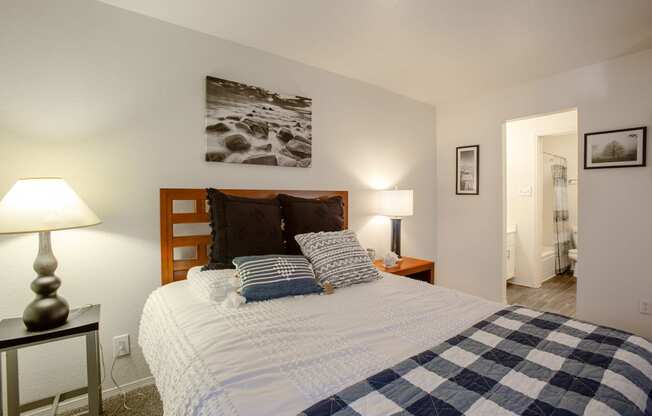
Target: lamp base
<point>396,236</point>
<point>46,313</point>
<point>48,310</point>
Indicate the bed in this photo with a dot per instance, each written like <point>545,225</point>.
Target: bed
<point>391,346</point>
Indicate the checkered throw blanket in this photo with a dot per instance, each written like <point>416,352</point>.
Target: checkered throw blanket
<point>516,362</point>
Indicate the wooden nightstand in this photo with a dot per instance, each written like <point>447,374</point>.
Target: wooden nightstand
<point>411,267</point>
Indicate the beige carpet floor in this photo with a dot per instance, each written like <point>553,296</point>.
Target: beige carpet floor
<point>144,401</point>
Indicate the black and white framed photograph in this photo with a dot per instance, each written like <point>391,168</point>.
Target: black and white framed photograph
<point>251,125</point>
<point>467,170</point>
<point>615,149</point>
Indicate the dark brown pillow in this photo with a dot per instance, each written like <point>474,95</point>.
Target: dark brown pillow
<point>302,216</point>
<point>242,227</point>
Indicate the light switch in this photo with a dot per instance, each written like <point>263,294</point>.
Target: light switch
<point>526,191</point>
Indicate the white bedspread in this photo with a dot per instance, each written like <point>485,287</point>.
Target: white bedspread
<point>281,356</point>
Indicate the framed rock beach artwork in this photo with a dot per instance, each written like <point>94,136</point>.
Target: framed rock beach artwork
<point>251,125</point>
<point>467,168</point>
<point>624,148</point>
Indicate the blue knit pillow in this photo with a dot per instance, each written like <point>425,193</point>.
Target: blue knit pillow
<point>275,276</point>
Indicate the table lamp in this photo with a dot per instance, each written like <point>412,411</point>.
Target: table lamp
<point>396,204</point>
<point>41,205</point>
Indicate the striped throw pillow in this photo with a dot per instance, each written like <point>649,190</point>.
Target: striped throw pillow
<point>275,276</point>
<point>337,257</point>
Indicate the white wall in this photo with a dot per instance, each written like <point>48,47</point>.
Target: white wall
<point>114,102</point>
<point>613,207</point>
<point>522,184</point>
<point>564,145</point>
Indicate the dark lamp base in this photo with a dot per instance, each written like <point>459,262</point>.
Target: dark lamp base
<point>46,313</point>
<point>47,310</point>
<point>396,236</point>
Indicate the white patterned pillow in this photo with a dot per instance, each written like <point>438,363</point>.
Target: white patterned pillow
<point>337,257</point>
<point>212,285</point>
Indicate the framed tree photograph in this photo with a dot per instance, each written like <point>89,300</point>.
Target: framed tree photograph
<point>615,148</point>
<point>467,167</point>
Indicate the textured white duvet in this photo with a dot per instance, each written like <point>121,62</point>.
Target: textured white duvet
<point>281,356</point>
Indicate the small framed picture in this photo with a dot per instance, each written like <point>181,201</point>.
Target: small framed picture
<point>467,180</point>
<point>615,149</point>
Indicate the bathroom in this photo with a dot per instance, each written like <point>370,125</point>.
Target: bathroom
<point>541,187</point>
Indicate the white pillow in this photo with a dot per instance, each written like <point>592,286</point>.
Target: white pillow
<point>233,300</point>
<point>212,285</point>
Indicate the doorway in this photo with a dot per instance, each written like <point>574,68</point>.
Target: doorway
<point>540,182</point>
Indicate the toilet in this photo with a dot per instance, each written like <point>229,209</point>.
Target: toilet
<point>572,253</point>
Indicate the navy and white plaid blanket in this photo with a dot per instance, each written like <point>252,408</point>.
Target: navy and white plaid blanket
<point>516,362</point>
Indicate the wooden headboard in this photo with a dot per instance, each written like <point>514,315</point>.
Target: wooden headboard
<point>173,270</point>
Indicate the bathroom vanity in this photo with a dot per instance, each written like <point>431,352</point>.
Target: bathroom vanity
<point>510,255</point>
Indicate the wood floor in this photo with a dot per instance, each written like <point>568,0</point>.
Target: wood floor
<point>555,295</point>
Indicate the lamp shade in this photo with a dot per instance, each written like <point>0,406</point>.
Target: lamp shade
<point>395,203</point>
<point>43,204</point>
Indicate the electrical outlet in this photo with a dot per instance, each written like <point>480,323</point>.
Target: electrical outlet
<point>121,346</point>
<point>646,307</point>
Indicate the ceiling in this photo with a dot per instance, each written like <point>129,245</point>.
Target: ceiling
<point>430,50</point>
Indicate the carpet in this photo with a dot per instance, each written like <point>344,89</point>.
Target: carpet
<point>144,401</point>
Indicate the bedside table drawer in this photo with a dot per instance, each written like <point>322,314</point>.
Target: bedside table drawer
<point>412,268</point>
<point>424,276</point>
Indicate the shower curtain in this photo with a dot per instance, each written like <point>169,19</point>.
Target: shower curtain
<point>562,235</point>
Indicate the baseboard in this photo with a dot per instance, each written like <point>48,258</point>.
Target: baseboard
<point>548,278</point>
<point>80,401</point>
<point>517,282</point>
